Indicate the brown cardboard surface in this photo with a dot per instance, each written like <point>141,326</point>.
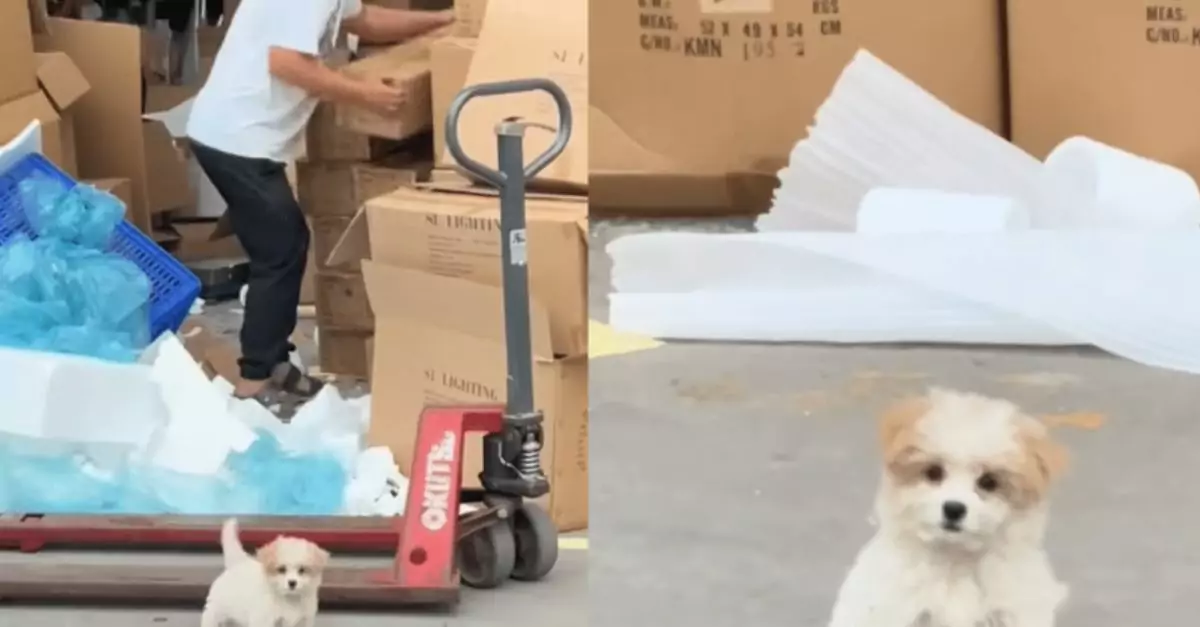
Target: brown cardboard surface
<point>342,301</point>
<point>340,189</point>
<point>431,358</point>
<point>17,114</point>
<point>165,97</point>
<point>109,136</point>
<point>326,231</point>
<point>540,38</point>
<point>166,177</point>
<point>457,235</point>
<point>326,141</point>
<point>701,88</point>
<point>61,79</point>
<point>1123,80</point>
<point>117,187</point>
<point>345,352</point>
<point>215,355</point>
<point>450,60</point>
<point>405,72</point>
<point>18,70</point>
<point>197,243</point>
<point>468,16</point>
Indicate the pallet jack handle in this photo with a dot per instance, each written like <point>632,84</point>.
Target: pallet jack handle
<point>512,459</point>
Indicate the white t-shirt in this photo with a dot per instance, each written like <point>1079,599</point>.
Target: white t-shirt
<point>244,110</point>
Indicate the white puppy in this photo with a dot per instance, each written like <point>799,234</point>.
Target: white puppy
<point>961,514</point>
<point>275,588</point>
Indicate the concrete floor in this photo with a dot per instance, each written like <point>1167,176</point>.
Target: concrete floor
<point>731,483</point>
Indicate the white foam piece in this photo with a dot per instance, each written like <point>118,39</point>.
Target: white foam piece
<point>77,399</point>
<point>890,210</point>
<point>878,128</point>
<point>746,287</point>
<point>1127,190</point>
<point>200,431</point>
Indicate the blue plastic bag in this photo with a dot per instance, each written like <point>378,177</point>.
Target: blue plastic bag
<point>61,292</point>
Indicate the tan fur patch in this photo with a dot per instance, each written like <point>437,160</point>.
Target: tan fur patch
<point>898,433</point>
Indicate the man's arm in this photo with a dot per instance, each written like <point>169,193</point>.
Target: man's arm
<point>380,25</point>
<point>308,73</point>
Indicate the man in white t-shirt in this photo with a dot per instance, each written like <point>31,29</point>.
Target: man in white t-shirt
<point>248,121</point>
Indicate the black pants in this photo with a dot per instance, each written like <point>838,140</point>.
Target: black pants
<point>269,224</point>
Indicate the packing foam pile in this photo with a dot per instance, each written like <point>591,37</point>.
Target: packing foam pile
<point>98,420</point>
<point>899,220</point>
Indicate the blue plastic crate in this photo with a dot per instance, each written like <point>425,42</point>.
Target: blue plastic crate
<point>173,288</point>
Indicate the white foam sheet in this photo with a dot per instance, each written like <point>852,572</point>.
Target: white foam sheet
<point>745,287</point>
<point>80,400</point>
<point>1133,294</point>
<point>889,210</point>
<point>878,128</point>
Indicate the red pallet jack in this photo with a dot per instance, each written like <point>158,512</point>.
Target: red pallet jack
<point>435,548</point>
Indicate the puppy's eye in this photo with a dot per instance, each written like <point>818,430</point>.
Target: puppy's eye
<point>281,570</point>
<point>935,472</point>
<point>302,570</point>
<point>987,482</point>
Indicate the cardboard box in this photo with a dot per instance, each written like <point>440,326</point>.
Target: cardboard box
<point>64,85</point>
<point>716,94</point>
<point>326,231</point>
<point>1123,80</point>
<point>405,67</point>
<point>198,241</point>
<point>342,302</point>
<point>340,189</point>
<point>18,70</point>
<point>345,352</point>
<point>117,187</point>
<point>468,16</point>
<point>542,38</point>
<point>440,340</point>
<point>17,114</point>
<point>111,138</point>
<point>450,59</point>
<point>308,285</point>
<point>458,235</point>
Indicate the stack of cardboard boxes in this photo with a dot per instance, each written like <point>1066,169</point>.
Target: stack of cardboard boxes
<point>428,254</point>
<point>80,80</point>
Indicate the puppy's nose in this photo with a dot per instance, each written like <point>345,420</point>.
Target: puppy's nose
<point>954,511</point>
<point>292,584</point>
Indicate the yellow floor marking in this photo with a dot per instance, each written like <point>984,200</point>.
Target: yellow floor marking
<point>604,341</point>
<point>573,544</point>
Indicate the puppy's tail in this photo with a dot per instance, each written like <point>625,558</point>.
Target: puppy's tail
<point>231,544</point>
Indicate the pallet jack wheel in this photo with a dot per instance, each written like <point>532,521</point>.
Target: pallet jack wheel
<point>487,557</point>
<point>537,543</point>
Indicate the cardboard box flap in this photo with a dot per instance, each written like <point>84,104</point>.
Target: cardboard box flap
<point>354,243</point>
<point>61,79</point>
<point>448,303</point>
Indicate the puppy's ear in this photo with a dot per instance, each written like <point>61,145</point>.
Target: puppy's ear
<point>318,556</point>
<point>1045,459</point>
<point>268,554</point>
<point>897,427</point>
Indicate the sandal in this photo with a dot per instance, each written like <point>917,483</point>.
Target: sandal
<point>289,379</point>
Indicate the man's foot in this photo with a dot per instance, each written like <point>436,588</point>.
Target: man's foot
<point>291,380</point>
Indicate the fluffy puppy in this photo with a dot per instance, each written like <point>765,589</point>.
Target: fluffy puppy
<point>275,588</point>
<point>961,514</point>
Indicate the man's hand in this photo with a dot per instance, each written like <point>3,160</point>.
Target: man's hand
<point>382,97</point>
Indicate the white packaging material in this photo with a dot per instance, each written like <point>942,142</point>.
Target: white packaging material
<point>200,431</point>
<point>1132,294</point>
<point>746,287</point>
<point>78,399</point>
<point>877,128</point>
<point>899,210</point>
<point>1126,190</point>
